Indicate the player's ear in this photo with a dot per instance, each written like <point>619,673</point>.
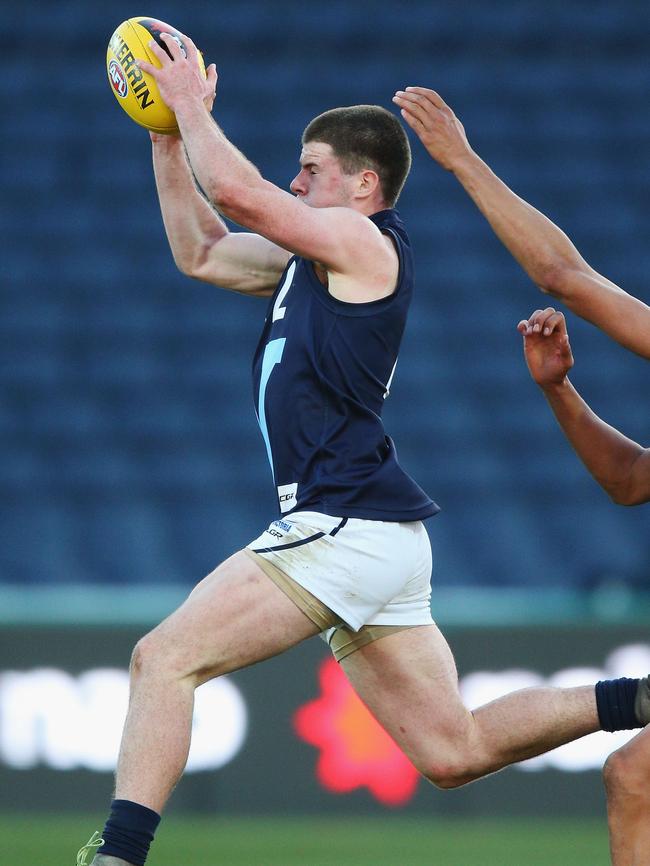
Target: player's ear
<point>367,183</point>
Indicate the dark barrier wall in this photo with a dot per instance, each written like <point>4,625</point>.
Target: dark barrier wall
<point>287,735</point>
<point>129,450</point>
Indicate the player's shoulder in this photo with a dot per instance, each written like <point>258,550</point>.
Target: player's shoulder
<point>376,227</point>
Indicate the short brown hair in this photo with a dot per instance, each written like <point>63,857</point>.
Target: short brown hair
<point>366,136</point>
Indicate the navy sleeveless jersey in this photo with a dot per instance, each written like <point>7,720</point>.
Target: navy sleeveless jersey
<point>321,373</point>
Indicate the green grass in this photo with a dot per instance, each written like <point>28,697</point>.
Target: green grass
<point>389,841</point>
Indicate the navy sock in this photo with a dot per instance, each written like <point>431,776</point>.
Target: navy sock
<point>615,703</point>
<point>129,831</point>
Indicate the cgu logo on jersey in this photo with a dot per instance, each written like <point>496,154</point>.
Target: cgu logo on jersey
<point>118,78</point>
<point>287,494</point>
<point>133,73</point>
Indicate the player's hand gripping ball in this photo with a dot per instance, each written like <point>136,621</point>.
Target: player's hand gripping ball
<point>136,91</point>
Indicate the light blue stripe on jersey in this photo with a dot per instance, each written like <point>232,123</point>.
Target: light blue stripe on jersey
<point>272,356</point>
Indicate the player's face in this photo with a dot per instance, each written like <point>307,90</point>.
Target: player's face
<point>321,181</point>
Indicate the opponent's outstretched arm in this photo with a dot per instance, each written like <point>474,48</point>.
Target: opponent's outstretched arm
<point>619,465</point>
<point>541,248</point>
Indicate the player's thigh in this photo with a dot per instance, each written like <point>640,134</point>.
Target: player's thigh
<point>409,682</point>
<point>234,617</point>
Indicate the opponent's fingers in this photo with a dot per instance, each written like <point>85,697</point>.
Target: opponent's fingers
<point>428,94</point>
<point>412,100</point>
<point>539,319</point>
<point>545,320</point>
<point>415,113</point>
<point>415,123</point>
<point>555,322</point>
<point>529,322</point>
<point>428,100</point>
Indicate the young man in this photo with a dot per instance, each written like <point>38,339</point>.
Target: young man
<point>621,466</point>
<point>350,557</point>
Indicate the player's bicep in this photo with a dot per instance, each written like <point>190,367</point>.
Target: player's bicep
<point>243,262</point>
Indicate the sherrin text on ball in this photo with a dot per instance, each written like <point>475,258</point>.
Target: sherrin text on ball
<point>134,90</point>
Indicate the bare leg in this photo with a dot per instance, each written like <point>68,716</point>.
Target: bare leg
<point>236,616</point>
<point>627,773</point>
<point>409,682</point>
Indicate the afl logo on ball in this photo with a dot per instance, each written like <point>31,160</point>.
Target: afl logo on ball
<point>118,78</point>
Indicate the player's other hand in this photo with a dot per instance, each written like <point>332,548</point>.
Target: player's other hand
<point>179,77</point>
<point>435,124</point>
<point>209,95</point>
<point>546,347</point>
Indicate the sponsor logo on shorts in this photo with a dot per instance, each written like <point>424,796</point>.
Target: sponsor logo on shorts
<point>118,78</point>
<point>282,524</point>
<point>274,533</point>
<point>287,495</point>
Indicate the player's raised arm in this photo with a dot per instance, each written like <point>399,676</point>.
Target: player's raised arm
<point>201,243</point>
<point>338,237</point>
<point>619,465</point>
<point>541,248</point>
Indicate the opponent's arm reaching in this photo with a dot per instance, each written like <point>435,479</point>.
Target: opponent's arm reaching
<point>541,248</point>
<point>619,465</point>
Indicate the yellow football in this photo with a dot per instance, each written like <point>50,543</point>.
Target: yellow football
<point>136,91</point>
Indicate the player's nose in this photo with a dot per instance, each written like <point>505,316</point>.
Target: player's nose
<point>297,185</point>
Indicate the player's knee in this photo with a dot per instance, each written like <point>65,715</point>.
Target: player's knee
<point>144,657</point>
<point>154,656</point>
<point>159,656</point>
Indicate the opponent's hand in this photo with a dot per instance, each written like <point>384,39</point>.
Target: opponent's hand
<point>179,78</point>
<point>435,124</point>
<point>546,347</point>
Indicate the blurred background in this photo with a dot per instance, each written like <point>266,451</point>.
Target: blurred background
<point>131,462</point>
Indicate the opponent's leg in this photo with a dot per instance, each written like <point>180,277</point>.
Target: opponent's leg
<point>626,774</point>
<point>236,616</point>
<point>409,682</point>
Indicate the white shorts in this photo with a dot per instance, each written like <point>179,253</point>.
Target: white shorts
<point>369,572</point>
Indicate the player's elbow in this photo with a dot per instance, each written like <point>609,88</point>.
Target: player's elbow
<point>629,496</point>
<point>232,199</point>
<point>557,279</point>
<point>241,202</point>
<point>195,262</point>
<point>184,264</point>
<point>632,487</point>
<point>222,195</point>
